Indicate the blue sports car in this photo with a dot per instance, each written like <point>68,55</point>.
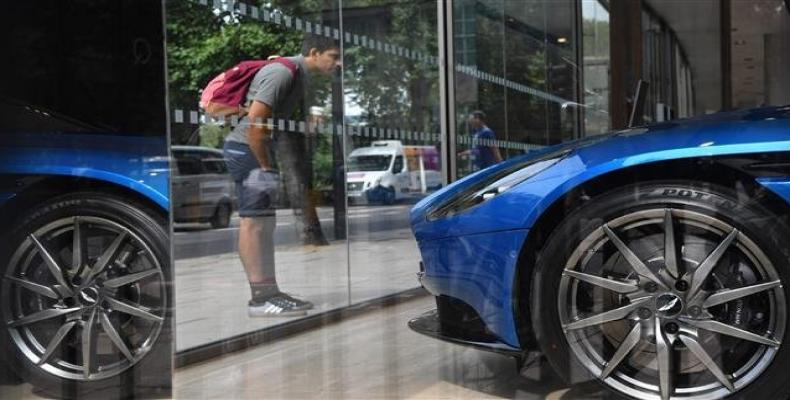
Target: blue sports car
<point>84,276</point>
<point>654,260</point>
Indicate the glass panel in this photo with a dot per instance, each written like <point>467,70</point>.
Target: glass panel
<point>244,235</point>
<point>515,80</point>
<point>596,61</point>
<point>85,273</point>
<point>760,53</point>
<point>392,139</point>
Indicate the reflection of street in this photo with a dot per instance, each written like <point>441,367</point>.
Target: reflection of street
<point>196,240</point>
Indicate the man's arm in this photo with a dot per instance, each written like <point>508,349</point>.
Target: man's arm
<point>497,154</point>
<point>258,132</point>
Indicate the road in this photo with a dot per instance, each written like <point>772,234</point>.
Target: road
<point>198,240</point>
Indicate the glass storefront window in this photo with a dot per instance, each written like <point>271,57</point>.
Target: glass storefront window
<point>515,79</point>
<point>86,299</point>
<point>759,53</point>
<point>392,140</point>
<point>359,146</point>
<point>596,59</point>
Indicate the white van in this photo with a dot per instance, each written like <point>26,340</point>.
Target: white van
<point>388,171</point>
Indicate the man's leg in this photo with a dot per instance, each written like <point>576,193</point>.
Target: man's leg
<point>257,199</point>
<point>256,250</point>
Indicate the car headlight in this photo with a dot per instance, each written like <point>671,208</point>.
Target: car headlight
<point>495,184</point>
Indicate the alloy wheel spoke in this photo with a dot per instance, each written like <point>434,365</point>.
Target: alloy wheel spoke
<point>41,316</point>
<point>700,352</point>
<point>53,266</point>
<point>127,279</point>
<point>114,336</point>
<point>35,287</point>
<point>134,310</point>
<point>607,316</point>
<point>670,251</point>
<point>636,264</point>
<point>729,330</point>
<point>664,360</point>
<point>628,344</point>
<point>704,269</point>
<point>55,342</point>
<point>108,256</point>
<point>606,283</point>
<point>87,350</point>
<point>76,247</point>
<point>726,295</point>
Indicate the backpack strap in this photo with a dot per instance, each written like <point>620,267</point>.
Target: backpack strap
<point>287,63</point>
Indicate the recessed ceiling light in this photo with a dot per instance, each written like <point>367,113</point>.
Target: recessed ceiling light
<point>562,40</point>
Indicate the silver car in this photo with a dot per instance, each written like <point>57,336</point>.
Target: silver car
<point>203,190</point>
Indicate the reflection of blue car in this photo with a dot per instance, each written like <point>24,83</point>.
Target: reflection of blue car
<point>84,291</point>
<point>653,260</point>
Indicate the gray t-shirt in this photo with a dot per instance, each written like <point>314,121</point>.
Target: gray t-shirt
<point>274,86</point>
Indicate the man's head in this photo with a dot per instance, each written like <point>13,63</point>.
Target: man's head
<point>477,119</point>
<point>321,54</point>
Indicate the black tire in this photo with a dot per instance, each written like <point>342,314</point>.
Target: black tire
<point>221,217</point>
<point>148,372</point>
<point>763,227</point>
<point>389,196</point>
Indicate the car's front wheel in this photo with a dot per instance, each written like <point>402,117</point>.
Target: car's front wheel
<point>84,292</point>
<point>667,291</point>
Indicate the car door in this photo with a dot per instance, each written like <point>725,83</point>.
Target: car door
<point>216,185</point>
<point>401,175</point>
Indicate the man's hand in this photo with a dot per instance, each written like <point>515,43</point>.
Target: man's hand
<point>259,132</point>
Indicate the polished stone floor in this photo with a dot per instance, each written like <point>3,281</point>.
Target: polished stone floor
<point>371,356</point>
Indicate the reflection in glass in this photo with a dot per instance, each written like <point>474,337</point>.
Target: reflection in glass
<point>369,163</point>
<point>595,34</point>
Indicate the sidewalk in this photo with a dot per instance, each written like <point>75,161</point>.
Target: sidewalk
<point>212,292</point>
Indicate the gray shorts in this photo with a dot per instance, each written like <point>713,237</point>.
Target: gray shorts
<point>257,191</point>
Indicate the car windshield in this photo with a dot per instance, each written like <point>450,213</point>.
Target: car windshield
<point>369,163</point>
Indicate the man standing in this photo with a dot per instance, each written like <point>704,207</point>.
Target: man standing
<point>484,152</point>
<point>275,92</point>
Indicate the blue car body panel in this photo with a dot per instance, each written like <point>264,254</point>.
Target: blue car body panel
<point>780,186</point>
<point>137,163</point>
<point>501,223</point>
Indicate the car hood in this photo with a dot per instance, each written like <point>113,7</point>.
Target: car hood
<point>742,132</point>
<point>365,176</point>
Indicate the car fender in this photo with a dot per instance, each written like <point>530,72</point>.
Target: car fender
<point>138,164</point>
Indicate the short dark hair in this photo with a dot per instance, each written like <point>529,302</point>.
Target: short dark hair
<point>319,42</point>
<point>479,114</point>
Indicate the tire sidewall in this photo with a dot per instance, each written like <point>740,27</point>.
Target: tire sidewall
<point>147,226</point>
<point>742,212</point>
<point>221,217</point>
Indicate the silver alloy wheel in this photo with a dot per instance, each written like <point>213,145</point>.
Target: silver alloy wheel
<point>671,303</point>
<point>83,298</point>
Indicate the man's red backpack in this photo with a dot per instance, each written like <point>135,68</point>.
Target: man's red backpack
<point>225,95</point>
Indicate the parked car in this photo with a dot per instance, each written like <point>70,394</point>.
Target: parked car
<point>85,257</point>
<point>653,260</point>
<point>203,190</point>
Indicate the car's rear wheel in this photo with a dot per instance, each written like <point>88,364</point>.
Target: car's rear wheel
<point>667,291</point>
<point>389,196</point>
<point>221,217</point>
<point>84,293</point>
